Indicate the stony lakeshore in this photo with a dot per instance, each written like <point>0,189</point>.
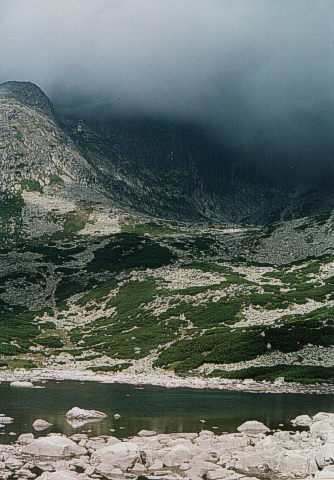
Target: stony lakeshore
<point>253,452</point>
<point>161,378</point>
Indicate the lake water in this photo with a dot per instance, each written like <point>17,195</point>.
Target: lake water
<point>152,408</point>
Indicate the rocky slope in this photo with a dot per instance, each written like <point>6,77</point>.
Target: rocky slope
<point>87,280</point>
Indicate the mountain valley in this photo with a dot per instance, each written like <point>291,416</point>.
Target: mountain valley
<point>107,265</point>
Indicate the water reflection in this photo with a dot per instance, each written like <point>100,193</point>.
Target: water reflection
<point>150,408</point>
<point>77,423</point>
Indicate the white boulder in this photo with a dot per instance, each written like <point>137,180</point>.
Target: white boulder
<point>122,455</point>
<point>82,414</point>
<point>22,384</point>
<point>252,426</point>
<point>40,424</point>
<point>322,428</point>
<point>6,420</point>
<point>146,433</point>
<point>176,456</point>
<point>59,475</point>
<point>324,475</point>
<point>26,438</point>
<point>302,420</point>
<point>53,446</point>
<point>297,463</point>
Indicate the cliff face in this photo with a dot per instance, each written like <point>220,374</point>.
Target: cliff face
<point>174,170</point>
<point>153,167</point>
<point>44,179</point>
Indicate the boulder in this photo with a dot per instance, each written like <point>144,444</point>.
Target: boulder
<point>199,468</point>
<point>324,475</point>
<point>109,471</point>
<point>26,438</point>
<point>146,433</point>
<point>302,420</point>
<point>328,451</point>
<point>53,446</point>
<point>82,414</point>
<point>297,463</point>
<point>218,474</point>
<point>176,456</point>
<point>122,455</point>
<point>21,384</point>
<point>322,416</point>
<point>253,426</point>
<point>59,475</point>
<point>40,424</point>
<point>6,420</point>
<point>13,463</point>
<point>112,441</point>
<point>322,429</point>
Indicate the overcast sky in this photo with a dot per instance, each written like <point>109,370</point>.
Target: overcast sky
<point>254,72</point>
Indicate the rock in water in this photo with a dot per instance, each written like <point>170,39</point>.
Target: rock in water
<point>146,433</point>
<point>53,446</point>
<point>252,426</point>
<point>82,414</point>
<point>302,420</point>
<point>40,424</point>
<point>6,420</point>
<point>22,384</point>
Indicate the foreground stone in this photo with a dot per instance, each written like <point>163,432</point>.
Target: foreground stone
<point>53,446</point>
<point>253,452</point>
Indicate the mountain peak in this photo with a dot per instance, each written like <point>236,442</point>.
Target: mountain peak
<point>29,94</point>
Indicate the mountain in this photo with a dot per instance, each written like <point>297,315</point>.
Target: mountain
<point>98,269</point>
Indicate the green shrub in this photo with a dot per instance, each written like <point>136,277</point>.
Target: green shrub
<point>128,251</point>
<point>51,341</point>
<point>55,180</point>
<point>291,373</point>
<point>20,363</point>
<point>111,368</point>
<point>31,185</point>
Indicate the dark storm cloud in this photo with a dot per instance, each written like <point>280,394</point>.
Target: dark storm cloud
<point>257,73</point>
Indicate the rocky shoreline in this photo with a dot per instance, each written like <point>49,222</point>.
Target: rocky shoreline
<point>251,453</point>
<point>165,379</point>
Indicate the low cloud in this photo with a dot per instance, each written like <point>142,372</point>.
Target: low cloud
<point>257,74</point>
